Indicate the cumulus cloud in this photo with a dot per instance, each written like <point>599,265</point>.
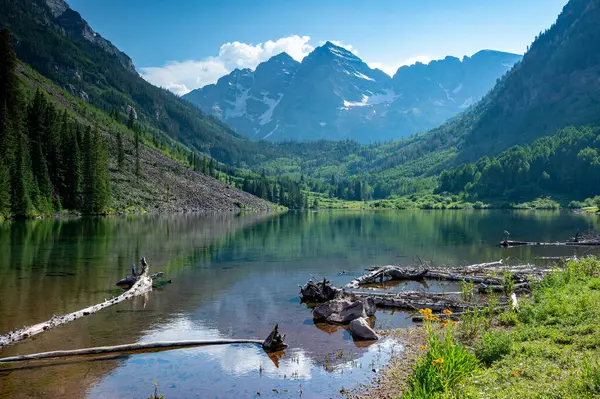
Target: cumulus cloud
<point>183,76</point>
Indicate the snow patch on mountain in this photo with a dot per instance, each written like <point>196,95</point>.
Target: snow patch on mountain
<point>375,99</point>
<point>239,105</point>
<point>272,131</point>
<point>268,114</point>
<point>345,55</point>
<point>363,76</point>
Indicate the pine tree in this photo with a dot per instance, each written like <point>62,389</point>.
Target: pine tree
<point>101,191</point>
<point>7,138</point>
<point>120,152</point>
<point>4,190</point>
<point>87,156</point>
<point>35,129</point>
<point>8,65</point>
<point>131,120</point>
<point>73,182</point>
<point>20,200</point>
<point>137,154</point>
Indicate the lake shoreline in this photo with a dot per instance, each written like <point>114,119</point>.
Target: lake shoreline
<point>511,353</point>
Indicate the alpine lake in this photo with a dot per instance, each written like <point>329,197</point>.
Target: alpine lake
<point>232,276</point>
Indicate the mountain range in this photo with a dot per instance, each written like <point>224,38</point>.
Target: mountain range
<point>333,94</point>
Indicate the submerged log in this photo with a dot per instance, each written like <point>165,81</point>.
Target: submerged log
<point>273,343</point>
<point>128,348</point>
<point>142,285</point>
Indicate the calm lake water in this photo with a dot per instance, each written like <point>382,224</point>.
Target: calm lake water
<point>233,276</point>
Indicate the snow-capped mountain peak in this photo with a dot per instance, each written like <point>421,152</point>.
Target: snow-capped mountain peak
<point>333,94</point>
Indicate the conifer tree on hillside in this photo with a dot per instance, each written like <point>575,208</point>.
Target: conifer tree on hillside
<point>35,129</point>
<point>4,189</point>
<point>101,177</point>
<point>8,65</point>
<point>54,125</point>
<point>120,152</point>
<point>73,166</point>
<point>20,199</point>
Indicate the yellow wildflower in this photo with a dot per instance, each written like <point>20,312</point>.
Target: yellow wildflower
<point>425,311</point>
<point>423,347</point>
<point>447,311</point>
<point>444,324</point>
<point>435,318</point>
<point>516,373</point>
<point>437,361</point>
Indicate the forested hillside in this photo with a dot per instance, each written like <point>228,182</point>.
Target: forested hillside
<point>59,44</point>
<point>554,86</point>
<point>59,154</point>
<point>566,163</point>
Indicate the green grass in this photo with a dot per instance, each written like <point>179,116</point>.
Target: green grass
<point>549,349</point>
<point>445,365</point>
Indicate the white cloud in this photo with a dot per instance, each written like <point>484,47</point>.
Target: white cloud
<point>391,69</point>
<point>183,76</point>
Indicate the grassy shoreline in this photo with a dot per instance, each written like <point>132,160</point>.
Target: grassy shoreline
<point>428,201</point>
<point>549,348</point>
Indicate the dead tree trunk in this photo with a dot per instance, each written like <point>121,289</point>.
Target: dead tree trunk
<point>142,285</point>
<point>273,343</point>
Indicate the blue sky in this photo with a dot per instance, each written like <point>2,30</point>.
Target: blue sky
<point>185,44</point>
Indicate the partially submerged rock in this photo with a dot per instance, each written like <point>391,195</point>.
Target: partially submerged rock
<point>361,330</point>
<point>343,311</point>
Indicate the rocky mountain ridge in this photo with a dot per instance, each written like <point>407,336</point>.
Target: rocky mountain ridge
<point>333,94</point>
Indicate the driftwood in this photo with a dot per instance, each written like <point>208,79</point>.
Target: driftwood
<point>583,243</point>
<point>319,292</point>
<point>387,273</point>
<point>142,285</point>
<point>484,289</point>
<point>489,274</point>
<point>273,343</point>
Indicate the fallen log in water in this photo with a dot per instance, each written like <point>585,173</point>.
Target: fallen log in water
<point>512,244</point>
<point>379,275</point>
<point>273,343</point>
<point>142,285</point>
<point>490,274</point>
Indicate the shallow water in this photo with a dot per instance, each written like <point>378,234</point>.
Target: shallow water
<point>232,277</point>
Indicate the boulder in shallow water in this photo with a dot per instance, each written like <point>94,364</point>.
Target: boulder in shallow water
<point>360,330</point>
<point>326,310</point>
<point>363,307</point>
<point>343,311</point>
